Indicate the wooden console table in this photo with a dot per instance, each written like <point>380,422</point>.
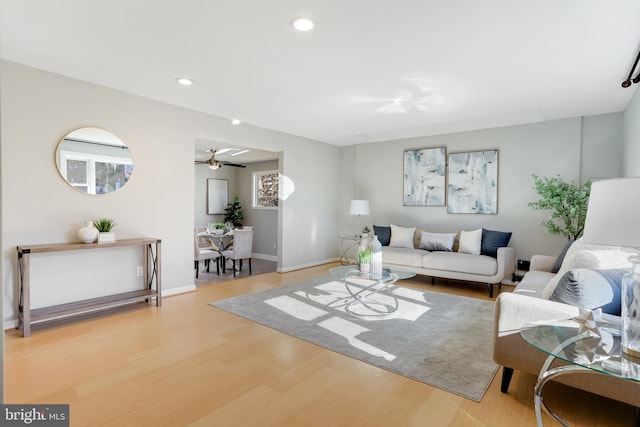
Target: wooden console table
<point>151,274</point>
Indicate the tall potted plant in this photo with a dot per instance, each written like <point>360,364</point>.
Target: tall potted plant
<point>567,202</point>
<point>233,213</point>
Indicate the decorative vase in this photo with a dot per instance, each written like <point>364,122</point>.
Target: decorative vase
<point>88,233</point>
<point>376,256</point>
<point>631,309</point>
<point>365,268</point>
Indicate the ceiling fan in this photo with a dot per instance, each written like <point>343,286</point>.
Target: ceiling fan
<point>215,164</point>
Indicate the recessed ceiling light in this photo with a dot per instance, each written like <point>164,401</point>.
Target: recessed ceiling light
<point>302,24</point>
<point>235,122</point>
<point>184,81</point>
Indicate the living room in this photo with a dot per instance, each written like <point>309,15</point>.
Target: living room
<point>39,107</point>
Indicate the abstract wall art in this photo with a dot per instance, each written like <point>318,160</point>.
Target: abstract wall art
<point>473,182</point>
<point>424,177</point>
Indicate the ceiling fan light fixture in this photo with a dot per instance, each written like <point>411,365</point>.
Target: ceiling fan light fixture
<point>302,24</point>
<point>214,165</point>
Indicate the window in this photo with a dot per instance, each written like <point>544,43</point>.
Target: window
<point>265,190</point>
<point>95,174</point>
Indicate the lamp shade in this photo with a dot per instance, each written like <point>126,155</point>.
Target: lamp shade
<point>359,207</point>
<point>613,213</point>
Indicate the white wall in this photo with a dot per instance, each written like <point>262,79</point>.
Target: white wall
<point>38,108</point>
<point>632,137</point>
<point>544,149</point>
<point>265,221</point>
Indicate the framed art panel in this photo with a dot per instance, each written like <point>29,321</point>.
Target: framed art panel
<point>473,182</point>
<point>424,177</point>
<point>217,195</point>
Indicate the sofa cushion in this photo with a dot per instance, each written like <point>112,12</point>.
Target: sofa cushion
<point>492,240</point>
<point>591,289</point>
<point>470,242</point>
<point>402,256</point>
<point>460,262</point>
<point>437,241</point>
<point>402,237</point>
<point>383,233</point>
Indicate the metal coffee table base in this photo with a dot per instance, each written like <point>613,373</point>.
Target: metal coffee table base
<point>360,302</point>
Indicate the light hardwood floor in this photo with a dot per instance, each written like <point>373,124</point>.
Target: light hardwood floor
<point>187,363</point>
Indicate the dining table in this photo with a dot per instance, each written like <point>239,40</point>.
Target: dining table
<point>219,242</point>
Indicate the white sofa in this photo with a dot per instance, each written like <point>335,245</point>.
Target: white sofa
<point>452,265</point>
<point>526,304</point>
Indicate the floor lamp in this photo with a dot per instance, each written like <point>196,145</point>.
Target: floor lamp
<point>358,208</point>
<point>612,219</point>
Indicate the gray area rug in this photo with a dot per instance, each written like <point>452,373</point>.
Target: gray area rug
<point>438,339</point>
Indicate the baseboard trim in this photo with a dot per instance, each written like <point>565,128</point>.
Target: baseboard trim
<point>311,264</point>
<point>265,257</point>
<point>180,290</point>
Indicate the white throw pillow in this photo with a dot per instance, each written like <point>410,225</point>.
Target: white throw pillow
<point>595,257</point>
<point>402,237</point>
<point>470,242</point>
<point>437,241</point>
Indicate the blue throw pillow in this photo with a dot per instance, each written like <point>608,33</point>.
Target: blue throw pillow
<point>558,263</point>
<point>492,240</point>
<point>591,289</point>
<point>383,233</point>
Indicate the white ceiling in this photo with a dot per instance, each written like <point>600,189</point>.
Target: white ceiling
<point>371,70</point>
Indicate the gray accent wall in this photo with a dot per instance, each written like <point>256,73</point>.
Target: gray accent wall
<point>544,149</point>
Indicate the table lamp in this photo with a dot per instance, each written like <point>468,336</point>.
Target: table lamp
<point>613,219</point>
<point>358,208</point>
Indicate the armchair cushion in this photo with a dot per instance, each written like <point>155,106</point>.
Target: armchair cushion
<point>591,289</point>
<point>558,263</point>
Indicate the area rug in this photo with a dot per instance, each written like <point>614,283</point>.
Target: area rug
<point>439,339</point>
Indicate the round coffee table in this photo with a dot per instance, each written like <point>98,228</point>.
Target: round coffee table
<point>370,294</point>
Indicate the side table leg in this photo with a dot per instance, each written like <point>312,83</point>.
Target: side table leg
<point>24,300</point>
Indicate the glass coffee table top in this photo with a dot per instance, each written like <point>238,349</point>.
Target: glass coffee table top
<point>370,294</point>
<point>387,273</point>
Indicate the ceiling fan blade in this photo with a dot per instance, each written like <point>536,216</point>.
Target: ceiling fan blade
<point>233,164</point>
<point>202,162</point>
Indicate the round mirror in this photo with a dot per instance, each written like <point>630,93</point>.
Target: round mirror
<point>94,161</point>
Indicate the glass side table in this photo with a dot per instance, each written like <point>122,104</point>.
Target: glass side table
<point>370,294</point>
<point>348,244</point>
<point>586,353</point>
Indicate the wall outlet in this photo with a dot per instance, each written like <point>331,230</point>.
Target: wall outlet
<point>139,271</point>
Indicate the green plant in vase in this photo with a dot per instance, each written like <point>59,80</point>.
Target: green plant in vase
<point>364,260</point>
<point>104,227</point>
<point>233,213</point>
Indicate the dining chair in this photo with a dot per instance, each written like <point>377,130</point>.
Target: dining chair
<point>204,250</point>
<point>240,250</point>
